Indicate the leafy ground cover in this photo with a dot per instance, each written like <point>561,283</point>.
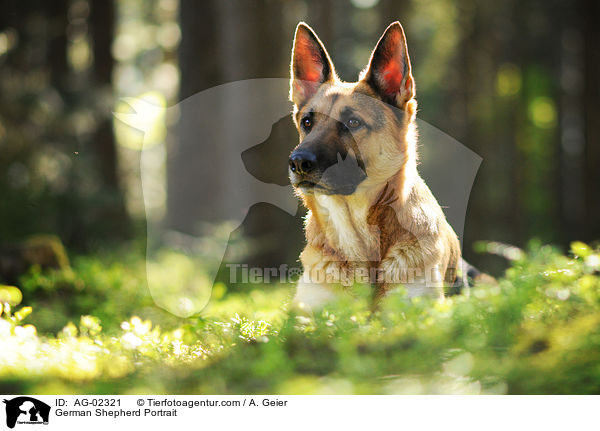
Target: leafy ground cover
<point>94,329</point>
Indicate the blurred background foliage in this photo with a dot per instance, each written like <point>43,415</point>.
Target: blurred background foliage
<point>517,82</point>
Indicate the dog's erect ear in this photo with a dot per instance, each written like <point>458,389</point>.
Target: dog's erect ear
<point>389,71</point>
<point>311,65</point>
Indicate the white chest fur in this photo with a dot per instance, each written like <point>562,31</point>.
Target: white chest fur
<point>346,229</point>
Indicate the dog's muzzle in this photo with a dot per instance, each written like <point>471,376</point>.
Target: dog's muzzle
<point>312,174</point>
<point>302,162</point>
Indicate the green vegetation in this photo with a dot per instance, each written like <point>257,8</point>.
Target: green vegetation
<point>77,331</point>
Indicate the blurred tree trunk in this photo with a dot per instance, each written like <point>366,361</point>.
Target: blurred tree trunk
<point>57,45</point>
<point>572,128</point>
<point>223,42</point>
<point>199,63</point>
<point>591,18</point>
<point>491,196</point>
<point>102,28</point>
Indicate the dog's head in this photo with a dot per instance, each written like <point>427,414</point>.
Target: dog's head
<point>350,133</point>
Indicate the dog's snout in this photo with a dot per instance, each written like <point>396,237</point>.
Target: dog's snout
<point>303,162</point>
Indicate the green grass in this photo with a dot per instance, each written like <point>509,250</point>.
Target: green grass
<point>95,329</point>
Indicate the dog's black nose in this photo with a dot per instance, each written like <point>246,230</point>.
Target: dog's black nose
<point>303,162</point>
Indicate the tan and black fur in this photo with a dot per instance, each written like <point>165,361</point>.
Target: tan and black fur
<point>355,169</point>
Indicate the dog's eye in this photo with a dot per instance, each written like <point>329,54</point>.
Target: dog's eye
<point>353,123</point>
<point>306,123</point>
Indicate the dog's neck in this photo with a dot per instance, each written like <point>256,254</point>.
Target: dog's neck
<point>363,224</point>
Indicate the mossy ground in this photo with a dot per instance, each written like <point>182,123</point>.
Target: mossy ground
<point>95,329</point>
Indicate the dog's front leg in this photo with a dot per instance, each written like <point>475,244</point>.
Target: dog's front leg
<point>320,280</point>
<point>418,272</point>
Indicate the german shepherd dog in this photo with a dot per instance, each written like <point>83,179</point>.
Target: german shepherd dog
<point>370,215</point>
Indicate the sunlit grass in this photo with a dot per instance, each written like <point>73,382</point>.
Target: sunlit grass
<point>537,331</point>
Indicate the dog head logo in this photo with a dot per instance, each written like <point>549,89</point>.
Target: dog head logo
<point>26,410</point>
<point>208,181</point>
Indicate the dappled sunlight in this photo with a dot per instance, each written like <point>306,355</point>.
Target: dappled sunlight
<point>140,121</point>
